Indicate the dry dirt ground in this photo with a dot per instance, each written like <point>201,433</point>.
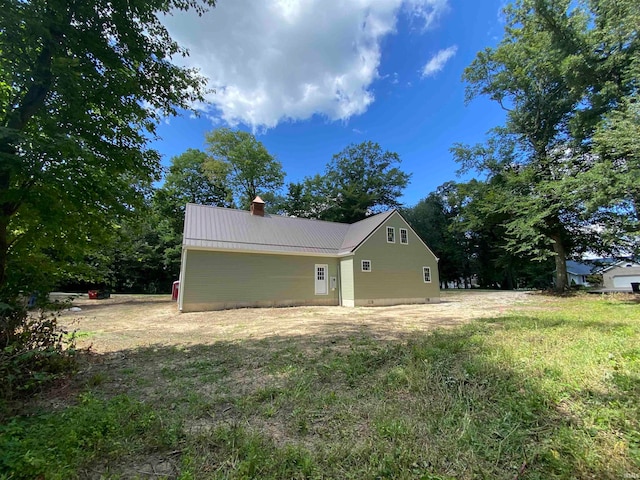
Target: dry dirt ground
<point>130,321</point>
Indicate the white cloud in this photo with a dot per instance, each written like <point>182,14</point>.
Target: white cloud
<point>279,60</point>
<point>438,61</point>
<point>429,12</point>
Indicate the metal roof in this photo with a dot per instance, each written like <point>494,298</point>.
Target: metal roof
<point>226,228</point>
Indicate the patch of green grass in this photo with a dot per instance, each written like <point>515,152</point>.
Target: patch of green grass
<point>235,453</point>
<point>78,335</point>
<point>549,391</point>
<point>97,379</point>
<point>56,445</point>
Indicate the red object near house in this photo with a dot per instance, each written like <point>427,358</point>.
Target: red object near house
<point>174,290</point>
<point>93,294</point>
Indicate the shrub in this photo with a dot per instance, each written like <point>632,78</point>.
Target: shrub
<point>34,350</point>
<point>595,280</point>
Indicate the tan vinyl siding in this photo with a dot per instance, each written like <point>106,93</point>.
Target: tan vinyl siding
<point>396,274</point>
<point>217,280</point>
<point>346,281</point>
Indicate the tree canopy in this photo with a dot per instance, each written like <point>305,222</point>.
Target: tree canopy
<point>566,72</point>
<point>82,86</point>
<point>361,180</point>
<point>434,219</point>
<point>245,163</point>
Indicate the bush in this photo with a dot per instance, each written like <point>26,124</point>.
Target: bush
<point>33,350</point>
<point>595,280</point>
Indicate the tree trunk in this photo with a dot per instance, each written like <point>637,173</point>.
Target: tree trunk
<point>562,279</point>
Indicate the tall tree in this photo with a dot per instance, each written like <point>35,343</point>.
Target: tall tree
<point>568,74</point>
<point>359,181</point>
<point>187,181</point>
<point>526,74</point>
<point>246,164</point>
<point>82,85</point>
<point>614,181</point>
<point>494,260</point>
<point>608,122</point>
<point>310,198</point>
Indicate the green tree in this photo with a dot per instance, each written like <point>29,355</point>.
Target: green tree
<point>531,159</point>
<point>306,199</point>
<point>245,163</point>
<point>614,180</point>
<point>145,257</point>
<point>82,86</point>
<point>434,220</point>
<point>188,180</point>
<point>297,201</point>
<point>483,225</point>
<point>603,67</point>
<point>359,181</point>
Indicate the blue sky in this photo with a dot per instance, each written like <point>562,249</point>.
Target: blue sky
<point>309,77</point>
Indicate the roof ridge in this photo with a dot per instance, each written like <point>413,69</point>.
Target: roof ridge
<point>217,207</point>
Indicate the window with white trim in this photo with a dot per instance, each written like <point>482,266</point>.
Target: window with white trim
<point>391,235</point>
<point>426,274</point>
<point>404,236</point>
<point>366,265</point>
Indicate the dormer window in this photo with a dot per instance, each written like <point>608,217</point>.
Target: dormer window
<point>391,235</point>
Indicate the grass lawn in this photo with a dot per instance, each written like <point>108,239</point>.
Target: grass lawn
<point>550,389</point>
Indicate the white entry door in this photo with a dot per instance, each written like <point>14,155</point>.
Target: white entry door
<point>322,279</point>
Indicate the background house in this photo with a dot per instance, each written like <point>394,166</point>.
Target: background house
<point>578,272</point>
<point>235,258</point>
<point>620,275</point>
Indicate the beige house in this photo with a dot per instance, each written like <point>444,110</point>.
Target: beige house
<point>236,258</point>
<point>621,275</point>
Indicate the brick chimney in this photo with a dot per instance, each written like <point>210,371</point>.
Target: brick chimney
<point>257,207</point>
